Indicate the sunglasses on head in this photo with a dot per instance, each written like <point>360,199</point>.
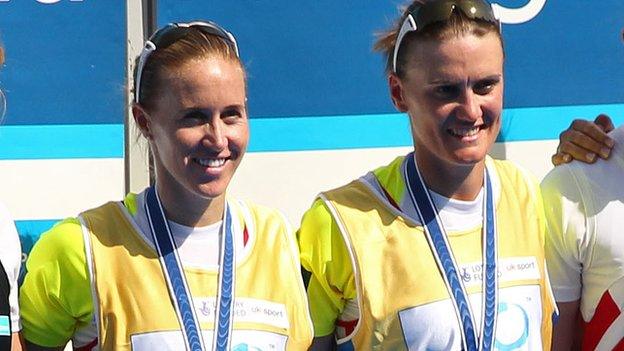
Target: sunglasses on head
<point>173,32</point>
<point>419,16</point>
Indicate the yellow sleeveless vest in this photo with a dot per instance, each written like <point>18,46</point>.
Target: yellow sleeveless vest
<point>132,303</point>
<point>397,277</point>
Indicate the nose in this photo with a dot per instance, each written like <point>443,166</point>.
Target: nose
<point>214,136</point>
<point>469,107</point>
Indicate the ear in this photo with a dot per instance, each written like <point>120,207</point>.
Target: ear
<point>396,92</point>
<point>142,121</point>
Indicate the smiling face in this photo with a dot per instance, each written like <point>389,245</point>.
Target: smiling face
<point>198,128</point>
<point>453,93</point>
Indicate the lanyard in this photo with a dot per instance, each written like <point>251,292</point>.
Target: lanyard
<point>437,238</point>
<point>176,281</point>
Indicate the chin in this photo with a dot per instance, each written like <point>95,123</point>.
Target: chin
<point>210,191</point>
<point>470,158</point>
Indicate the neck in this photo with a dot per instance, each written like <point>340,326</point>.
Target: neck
<point>189,209</point>
<point>456,181</point>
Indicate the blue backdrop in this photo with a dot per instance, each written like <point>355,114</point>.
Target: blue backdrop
<point>315,58</point>
<point>65,62</point>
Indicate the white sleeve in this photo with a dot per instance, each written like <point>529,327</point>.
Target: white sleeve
<point>11,257</point>
<point>567,238</point>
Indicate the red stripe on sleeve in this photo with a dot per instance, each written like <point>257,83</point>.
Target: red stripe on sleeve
<point>349,326</point>
<point>606,312</point>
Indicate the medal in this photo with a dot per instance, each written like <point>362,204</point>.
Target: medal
<point>438,242</point>
<point>176,281</point>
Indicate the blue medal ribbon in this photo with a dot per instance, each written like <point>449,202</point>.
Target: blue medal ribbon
<point>437,238</point>
<point>225,300</point>
<point>176,280</point>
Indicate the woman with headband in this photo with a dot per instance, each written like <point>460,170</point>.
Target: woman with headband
<point>178,266</point>
<point>10,263</point>
<point>442,249</point>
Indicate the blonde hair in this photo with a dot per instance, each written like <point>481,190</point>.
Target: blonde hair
<point>194,45</point>
<point>458,24</point>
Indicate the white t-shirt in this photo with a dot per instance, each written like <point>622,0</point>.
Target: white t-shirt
<point>198,247</point>
<point>11,257</point>
<point>584,207</point>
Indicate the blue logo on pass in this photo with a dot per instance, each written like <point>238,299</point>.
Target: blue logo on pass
<point>5,326</point>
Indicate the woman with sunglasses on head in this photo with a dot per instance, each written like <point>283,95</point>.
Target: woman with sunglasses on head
<point>178,266</point>
<point>442,249</point>
<point>10,264</point>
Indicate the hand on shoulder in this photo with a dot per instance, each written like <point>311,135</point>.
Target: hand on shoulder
<point>585,141</point>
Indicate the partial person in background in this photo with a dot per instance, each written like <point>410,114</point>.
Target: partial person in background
<point>443,248</point>
<point>584,206</point>
<point>10,263</point>
<point>179,265</point>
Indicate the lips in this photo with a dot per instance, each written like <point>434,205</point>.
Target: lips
<point>468,133</point>
<point>210,162</point>
<point>464,132</point>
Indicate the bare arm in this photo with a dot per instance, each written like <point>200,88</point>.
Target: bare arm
<point>323,343</point>
<point>17,342</point>
<point>566,334</point>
